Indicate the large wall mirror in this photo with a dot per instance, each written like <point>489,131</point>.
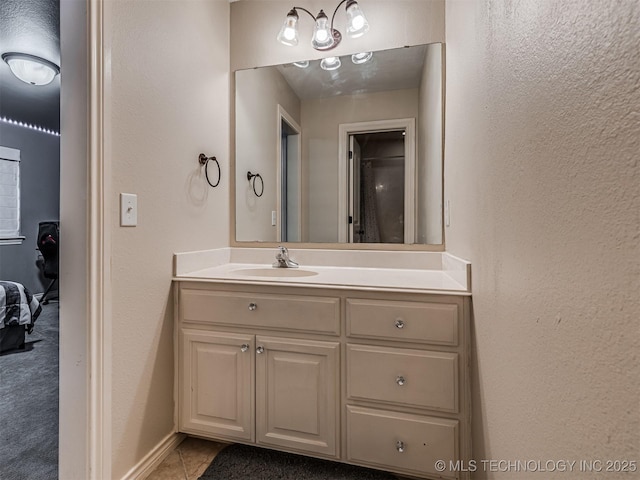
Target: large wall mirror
<point>342,154</point>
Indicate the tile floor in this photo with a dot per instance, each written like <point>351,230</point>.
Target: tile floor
<point>188,461</point>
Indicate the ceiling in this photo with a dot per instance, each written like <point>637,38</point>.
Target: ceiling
<point>30,26</point>
<point>395,69</point>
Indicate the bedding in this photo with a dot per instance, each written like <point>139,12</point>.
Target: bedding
<point>17,306</point>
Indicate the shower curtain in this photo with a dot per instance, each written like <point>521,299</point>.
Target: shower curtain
<point>369,214</point>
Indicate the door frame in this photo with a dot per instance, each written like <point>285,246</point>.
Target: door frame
<point>284,115</point>
<point>85,218</point>
<point>347,129</point>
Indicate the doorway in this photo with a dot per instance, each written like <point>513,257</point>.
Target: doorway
<point>376,187</point>
<point>376,180</point>
<point>288,218</point>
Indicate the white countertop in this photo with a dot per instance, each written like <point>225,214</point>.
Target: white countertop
<point>431,272</point>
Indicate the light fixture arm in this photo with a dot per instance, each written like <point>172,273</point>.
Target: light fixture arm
<point>305,10</point>
<point>336,11</point>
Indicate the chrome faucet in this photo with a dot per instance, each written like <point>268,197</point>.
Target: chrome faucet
<point>283,260</point>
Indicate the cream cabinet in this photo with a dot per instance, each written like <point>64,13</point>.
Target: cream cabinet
<point>379,379</point>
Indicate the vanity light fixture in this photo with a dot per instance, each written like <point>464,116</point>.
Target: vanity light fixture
<point>31,69</point>
<point>360,58</point>
<point>325,37</point>
<point>302,64</point>
<point>330,63</point>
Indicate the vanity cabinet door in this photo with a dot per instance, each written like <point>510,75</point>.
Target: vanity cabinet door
<point>297,394</point>
<point>216,384</point>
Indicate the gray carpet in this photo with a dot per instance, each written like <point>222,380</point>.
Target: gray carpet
<point>29,403</point>
<point>242,462</point>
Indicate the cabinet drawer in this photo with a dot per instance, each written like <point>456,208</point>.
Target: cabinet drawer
<point>375,438</point>
<point>411,321</point>
<point>290,312</point>
<point>402,376</point>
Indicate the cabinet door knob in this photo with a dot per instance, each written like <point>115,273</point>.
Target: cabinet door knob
<point>253,306</point>
<point>244,347</point>
<point>400,446</point>
<point>260,349</point>
<point>400,380</point>
<point>399,323</point>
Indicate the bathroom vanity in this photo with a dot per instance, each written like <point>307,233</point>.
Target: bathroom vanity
<point>363,365</point>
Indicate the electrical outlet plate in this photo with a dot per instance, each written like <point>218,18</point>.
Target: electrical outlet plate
<point>447,213</point>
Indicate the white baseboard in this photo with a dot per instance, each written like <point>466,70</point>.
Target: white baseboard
<point>155,457</point>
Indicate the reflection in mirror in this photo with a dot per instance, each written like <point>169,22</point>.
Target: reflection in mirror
<point>352,154</point>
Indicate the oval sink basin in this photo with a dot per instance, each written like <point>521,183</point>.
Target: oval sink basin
<point>274,272</point>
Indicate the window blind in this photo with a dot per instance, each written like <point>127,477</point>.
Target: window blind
<point>9,193</point>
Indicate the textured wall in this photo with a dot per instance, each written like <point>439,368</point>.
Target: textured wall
<point>430,125</point>
<point>258,93</point>
<point>542,142</point>
<point>168,101</point>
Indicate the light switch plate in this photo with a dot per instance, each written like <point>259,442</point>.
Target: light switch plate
<point>128,210</point>
<point>274,218</point>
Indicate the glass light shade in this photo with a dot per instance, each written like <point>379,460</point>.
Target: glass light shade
<point>289,32</point>
<point>322,37</point>
<point>357,24</point>
<point>330,63</point>
<point>302,64</point>
<point>359,58</point>
<point>31,69</point>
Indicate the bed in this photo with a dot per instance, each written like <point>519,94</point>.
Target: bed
<point>18,313</point>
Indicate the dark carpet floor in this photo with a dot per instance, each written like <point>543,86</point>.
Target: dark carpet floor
<point>29,403</point>
<point>242,462</point>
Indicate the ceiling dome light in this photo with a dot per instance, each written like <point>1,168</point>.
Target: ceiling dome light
<point>302,64</point>
<point>360,58</point>
<point>289,32</point>
<point>357,24</point>
<point>330,63</point>
<point>31,69</point>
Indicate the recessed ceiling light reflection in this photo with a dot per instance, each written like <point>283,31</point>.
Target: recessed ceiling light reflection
<point>303,64</point>
<point>330,63</point>
<point>359,58</point>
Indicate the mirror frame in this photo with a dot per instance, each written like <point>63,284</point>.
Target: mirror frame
<point>440,247</point>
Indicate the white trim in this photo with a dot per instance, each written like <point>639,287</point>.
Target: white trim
<point>284,115</point>
<point>75,444</point>
<point>8,153</point>
<point>155,457</point>
<point>346,129</point>
<point>12,240</point>
<point>100,458</point>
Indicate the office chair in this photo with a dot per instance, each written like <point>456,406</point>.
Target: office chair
<point>48,244</point>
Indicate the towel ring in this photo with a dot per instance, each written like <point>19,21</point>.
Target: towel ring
<point>204,160</point>
<point>252,176</point>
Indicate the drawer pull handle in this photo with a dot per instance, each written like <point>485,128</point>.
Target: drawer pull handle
<point>400,446</point>
<point>400,380</point>
<point>399,323</point>
<point>253,306</point>
<point>260,349</point>
<point>244,347</point>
